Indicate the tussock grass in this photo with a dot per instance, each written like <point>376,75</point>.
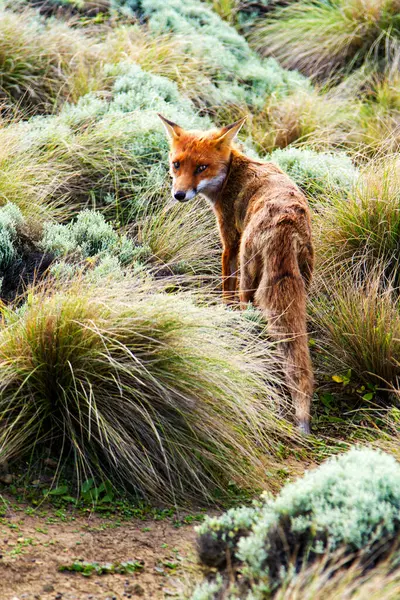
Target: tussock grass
<point>327,580</point>
<point>183,237</point>
<point>322,39</point>
<point>320,120</point>
<point>357,326</point>
<point>42,64</point>
<point>163,397</point>
<point>363,226</point>
<point>379,117</point>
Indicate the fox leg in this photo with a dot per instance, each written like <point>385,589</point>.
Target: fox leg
<point>229,274</point>
<point>248,274</point>
<point>306,263</point>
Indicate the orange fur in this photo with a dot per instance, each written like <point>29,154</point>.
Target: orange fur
<point>265,227</point>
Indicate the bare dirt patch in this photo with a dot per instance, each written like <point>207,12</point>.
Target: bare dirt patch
<point>34,546</point>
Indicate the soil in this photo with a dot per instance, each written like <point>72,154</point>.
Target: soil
<point>34,544</point>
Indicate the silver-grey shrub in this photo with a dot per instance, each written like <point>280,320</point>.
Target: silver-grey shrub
<point>87,236</point>
<point>350,503</point>
<point>240,76</point>
<point>10,220</point>
<point>317,173</point>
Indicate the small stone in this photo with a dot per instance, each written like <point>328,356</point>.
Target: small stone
<point>7,478</point>
<point>138,590</point>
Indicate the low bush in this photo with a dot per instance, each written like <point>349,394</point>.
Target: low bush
<point>240,76</point>
<point>86,236</point>
<point>10,220</point>
<point>164,398</point>
<point>317,173</point>
<point>109,155</point>
<point>349,504</point>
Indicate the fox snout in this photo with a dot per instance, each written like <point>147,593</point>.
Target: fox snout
<point>182,195</point>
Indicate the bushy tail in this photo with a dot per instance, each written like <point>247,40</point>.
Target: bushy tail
<point>281,294</point>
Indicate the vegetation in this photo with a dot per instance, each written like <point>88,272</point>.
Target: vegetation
<point>350,503</point>
<point>116,355</point>
<point>322,38</point>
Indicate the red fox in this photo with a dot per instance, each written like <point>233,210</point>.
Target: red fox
<point>265,229</point>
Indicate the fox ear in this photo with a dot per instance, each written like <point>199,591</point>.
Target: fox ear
<point>173,130</point>
<point>227,134</point>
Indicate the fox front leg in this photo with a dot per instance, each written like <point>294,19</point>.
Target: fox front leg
<point>229,274</point>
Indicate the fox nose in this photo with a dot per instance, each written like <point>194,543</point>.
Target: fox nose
<point>180,195</point>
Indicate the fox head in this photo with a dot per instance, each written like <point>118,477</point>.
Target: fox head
<point>199,161</point>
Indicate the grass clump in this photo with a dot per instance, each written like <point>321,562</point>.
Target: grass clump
<point>166,399</point>
<point>321,120</point>
<point>357,327</point>
<point>322,39</point>
<point>362,226</point>
<point>349,504</point>
<point>41,64</point>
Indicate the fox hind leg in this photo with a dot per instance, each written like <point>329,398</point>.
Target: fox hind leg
<point>249,273</point>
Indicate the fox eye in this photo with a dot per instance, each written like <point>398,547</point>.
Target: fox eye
<point>176,164</point>
<point>201,168</point>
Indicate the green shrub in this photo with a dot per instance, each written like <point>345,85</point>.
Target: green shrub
<point>323,38</point>
<point>350,503</point>
<point>87,236</point>
<point>164,398</point>
<point>317,173</point>
<point>240,76</point>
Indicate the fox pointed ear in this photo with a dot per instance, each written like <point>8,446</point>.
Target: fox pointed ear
<point>227,134</point>
<point>173,130</point>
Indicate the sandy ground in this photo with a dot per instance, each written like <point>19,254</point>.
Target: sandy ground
<point>33,545</point>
